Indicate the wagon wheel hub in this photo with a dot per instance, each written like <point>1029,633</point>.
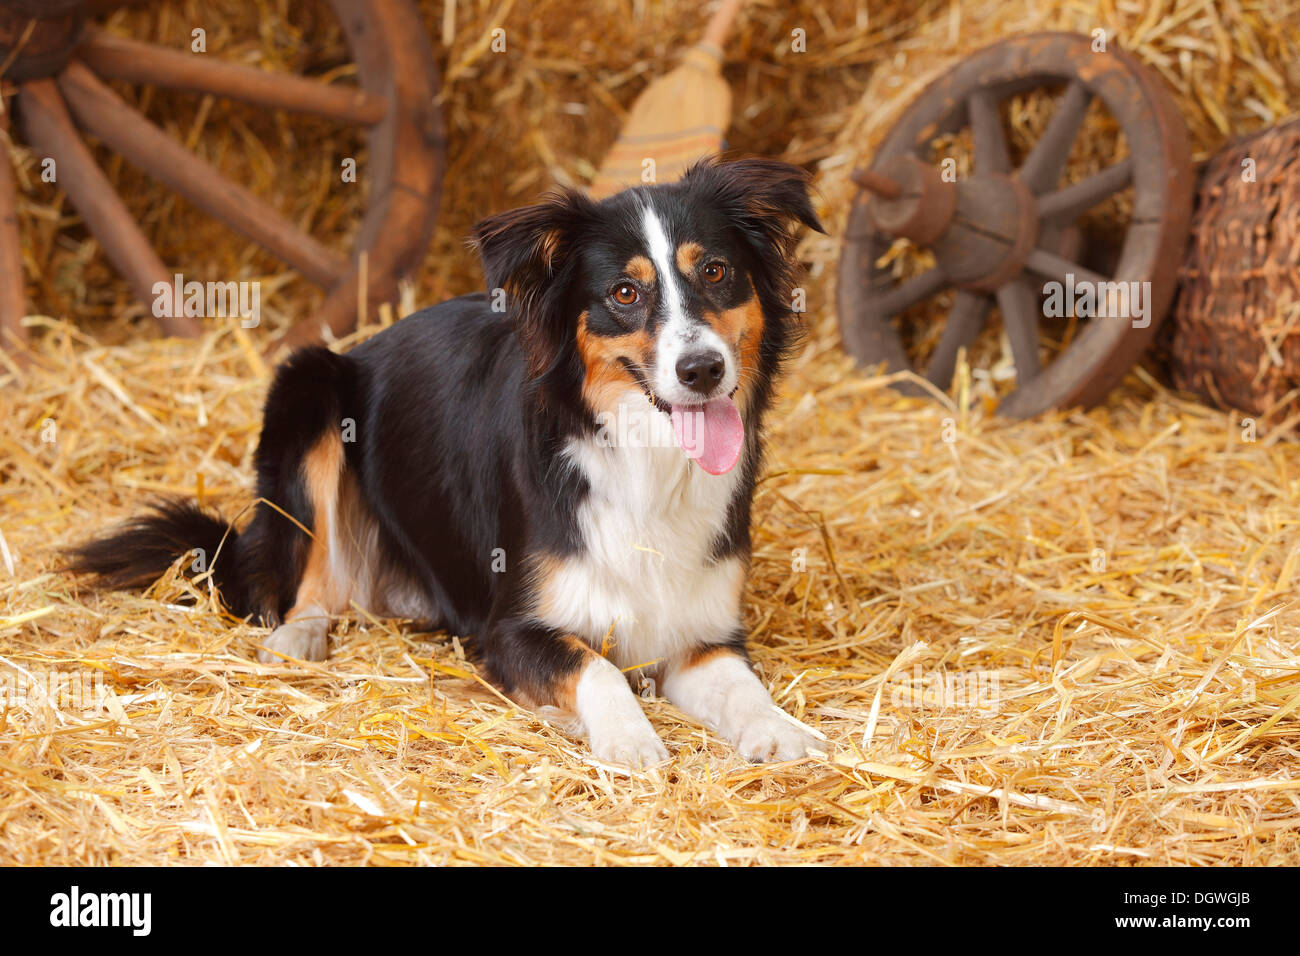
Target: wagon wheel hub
<point>37,37</point>
<point>996,213</point>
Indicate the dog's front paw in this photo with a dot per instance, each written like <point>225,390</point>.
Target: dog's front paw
<point>629,743</point>
<point>306,639</point>
<point>769,737</point>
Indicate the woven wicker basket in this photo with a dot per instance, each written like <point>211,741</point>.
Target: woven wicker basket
<point>1236,324</point>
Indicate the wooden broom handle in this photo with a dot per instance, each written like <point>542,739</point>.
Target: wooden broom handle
<point>719,25</point>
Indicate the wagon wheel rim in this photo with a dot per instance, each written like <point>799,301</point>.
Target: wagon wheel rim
<point>395,99</point>
<point>1158,169</point>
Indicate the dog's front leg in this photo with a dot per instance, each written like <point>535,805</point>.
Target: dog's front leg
<point>548,668</point>
<point>715,685</point>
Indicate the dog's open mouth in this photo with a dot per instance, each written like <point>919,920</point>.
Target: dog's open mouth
<point>712,433</point>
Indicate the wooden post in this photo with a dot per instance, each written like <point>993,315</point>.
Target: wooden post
<point>50,132</point>
<point>13,305</point>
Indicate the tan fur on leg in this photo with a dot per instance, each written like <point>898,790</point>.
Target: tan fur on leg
<point>325,587</point>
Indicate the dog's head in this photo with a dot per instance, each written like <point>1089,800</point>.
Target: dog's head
<point>681,292</point>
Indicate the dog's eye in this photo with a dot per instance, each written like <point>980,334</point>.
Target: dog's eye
<point>715,272</point>
<point>625,294</point>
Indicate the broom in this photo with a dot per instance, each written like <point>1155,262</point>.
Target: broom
<point>678,119</point>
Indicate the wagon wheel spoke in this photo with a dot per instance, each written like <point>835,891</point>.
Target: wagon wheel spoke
<point>395,98</point>
<point>1073,201</point>
<point>1051,266</point>
<point>49,129</point>
<point>118,58</point>
<point>12,304</point>
<point>1043,166</point>
<point>341,309</point>
<point>1018,303</point>
<point>104,114</point>
<point>991,154</point>
<point>909,293</point>
<point>967,317</point>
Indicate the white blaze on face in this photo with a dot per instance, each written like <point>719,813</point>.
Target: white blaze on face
<point>679,333</point>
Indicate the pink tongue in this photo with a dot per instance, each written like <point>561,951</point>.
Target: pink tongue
<point>712,434</point>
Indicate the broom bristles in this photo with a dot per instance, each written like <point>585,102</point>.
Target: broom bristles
<point>679,119</point>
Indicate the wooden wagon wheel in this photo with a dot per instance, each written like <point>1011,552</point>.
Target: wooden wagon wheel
<point>1000,234</point>
<point>56,62</point>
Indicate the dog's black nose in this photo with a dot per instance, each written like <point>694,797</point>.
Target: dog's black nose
<point>700,371</point>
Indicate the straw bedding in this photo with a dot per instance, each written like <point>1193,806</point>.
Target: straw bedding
<point>1065,641</point>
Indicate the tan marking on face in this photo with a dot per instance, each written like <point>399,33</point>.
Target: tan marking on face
<point>606,378</point>
<point>742,329</point>
<point>688,256</point>
<point>641,269</point>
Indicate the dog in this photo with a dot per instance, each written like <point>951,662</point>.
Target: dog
<point>561,468</point>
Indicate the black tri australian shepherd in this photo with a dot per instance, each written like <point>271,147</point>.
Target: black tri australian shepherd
<point>560,469</point>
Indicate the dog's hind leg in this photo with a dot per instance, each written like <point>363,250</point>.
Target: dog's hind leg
<point>327,581</point>
<point>305,637</point>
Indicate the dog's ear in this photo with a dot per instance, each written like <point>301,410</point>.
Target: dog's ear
<point>526,255</point>
<point>762,198</point>
<point>760,195</point>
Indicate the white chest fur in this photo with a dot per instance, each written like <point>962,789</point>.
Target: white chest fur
<point>649,524</point>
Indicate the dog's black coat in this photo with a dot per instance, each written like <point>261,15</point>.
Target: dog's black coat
<point>461,414</point>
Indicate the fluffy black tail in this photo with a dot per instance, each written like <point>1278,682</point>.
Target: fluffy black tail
<point>258,570</point>
<point>137,554</point>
